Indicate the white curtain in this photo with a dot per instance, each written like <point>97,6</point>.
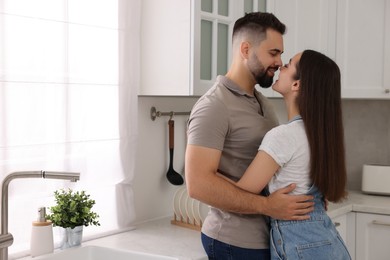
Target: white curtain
<point>69,74</point>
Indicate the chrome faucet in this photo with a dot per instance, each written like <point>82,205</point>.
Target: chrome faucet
<point>6,239</point>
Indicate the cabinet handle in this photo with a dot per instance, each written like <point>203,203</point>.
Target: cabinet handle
<point>387,91</point>
<point>377,222</point>
<point>337,224</point>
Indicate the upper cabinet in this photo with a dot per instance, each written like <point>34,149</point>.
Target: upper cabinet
<point>185,44</point>
<point>363,48</point>
<point>165,47</point>
<point>213,23</point>
<point>354,33</point>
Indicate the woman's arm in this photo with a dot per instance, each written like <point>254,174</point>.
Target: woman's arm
<point>258,174</point>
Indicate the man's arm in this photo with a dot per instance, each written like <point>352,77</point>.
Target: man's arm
<point>203,184</point>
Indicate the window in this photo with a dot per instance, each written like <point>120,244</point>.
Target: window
<point>62,107</point>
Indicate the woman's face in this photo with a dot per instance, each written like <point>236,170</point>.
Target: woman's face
<point>285,83</point>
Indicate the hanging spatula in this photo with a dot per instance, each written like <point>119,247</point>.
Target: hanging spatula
<point>173,177</point>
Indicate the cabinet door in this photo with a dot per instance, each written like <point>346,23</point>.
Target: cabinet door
<point>165,47</point>
<point>311,24</point>
<point>341,225</point>
<point>372,236</point>
<point>213,22</point>
<point>363,48</point>
<point>345,225</point>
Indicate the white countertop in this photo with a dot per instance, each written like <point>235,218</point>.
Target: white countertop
<point>162,238</point>
<point>359,202</point>
<point>157,237</point>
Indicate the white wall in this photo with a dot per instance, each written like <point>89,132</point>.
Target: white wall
<point>153,193</point>
<point>367,136</point>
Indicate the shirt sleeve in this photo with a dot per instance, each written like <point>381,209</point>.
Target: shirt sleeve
<point>208,124</point>
<point>278,144</point>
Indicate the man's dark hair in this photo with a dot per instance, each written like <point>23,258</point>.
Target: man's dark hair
<point>258,22</point>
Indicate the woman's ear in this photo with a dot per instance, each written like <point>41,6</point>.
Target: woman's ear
<point>296,85</point>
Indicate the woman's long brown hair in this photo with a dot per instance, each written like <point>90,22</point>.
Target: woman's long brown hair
<point>319,102</point>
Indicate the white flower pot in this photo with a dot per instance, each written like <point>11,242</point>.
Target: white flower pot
<point>71,237</point>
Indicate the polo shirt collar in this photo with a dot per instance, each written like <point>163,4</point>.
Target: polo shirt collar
<point>232,86</point>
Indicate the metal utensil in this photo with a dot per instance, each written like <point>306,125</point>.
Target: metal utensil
<point>173,177</point>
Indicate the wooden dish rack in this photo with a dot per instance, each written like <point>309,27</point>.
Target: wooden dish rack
<point>187,212</point>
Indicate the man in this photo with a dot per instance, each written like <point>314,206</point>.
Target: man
<point>225,129</point>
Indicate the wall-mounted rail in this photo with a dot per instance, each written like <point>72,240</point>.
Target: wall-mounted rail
<point>154,113</point>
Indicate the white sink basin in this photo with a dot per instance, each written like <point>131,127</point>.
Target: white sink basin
<point>100,253</point>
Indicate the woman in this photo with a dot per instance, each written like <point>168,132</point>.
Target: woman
<point>308,151</point>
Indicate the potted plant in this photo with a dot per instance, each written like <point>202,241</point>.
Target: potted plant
<point>72,211</point>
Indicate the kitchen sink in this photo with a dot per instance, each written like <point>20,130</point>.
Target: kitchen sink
<point>100,253</point>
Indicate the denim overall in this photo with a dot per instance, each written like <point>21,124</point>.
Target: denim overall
<point>312,239</point>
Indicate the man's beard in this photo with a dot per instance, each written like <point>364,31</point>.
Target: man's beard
<point>260,73</point>
<point>264,80</point>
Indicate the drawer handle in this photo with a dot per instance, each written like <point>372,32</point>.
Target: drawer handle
<point>337,224</point>
<point>377,222</point>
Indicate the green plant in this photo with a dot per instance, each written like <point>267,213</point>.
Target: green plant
<point>73,209</point>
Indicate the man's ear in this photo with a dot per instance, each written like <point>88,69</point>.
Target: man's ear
<point>244,49</point>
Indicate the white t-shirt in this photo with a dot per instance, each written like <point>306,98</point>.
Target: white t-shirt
<point>288,145</point>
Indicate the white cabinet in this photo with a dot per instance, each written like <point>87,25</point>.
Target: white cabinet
<point>372,236</point>
<point>363,48</point>
<point>165,47</point>
<point>311,24</point>
<point>345,225</point>
<point>355,33</point>
<point>185,44</point>
<point>366,235</point>
<point>213,25</point>
<point>341,225</point>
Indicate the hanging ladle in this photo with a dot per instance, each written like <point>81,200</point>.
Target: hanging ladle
<point>173,177</point>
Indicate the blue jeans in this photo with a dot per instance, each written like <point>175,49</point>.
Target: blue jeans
<point>315,238</point>
<point>217,250</point>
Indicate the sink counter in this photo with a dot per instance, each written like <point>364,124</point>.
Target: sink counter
<point>157,237</point>
<point>162,238</point>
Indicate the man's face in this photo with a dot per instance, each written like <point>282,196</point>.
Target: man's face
<point>265,59</point>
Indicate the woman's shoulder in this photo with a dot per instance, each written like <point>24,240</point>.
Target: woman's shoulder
<point>286,133</point>
<point>279,130</point>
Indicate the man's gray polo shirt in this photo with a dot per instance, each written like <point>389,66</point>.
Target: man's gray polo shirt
<point>229,120</point>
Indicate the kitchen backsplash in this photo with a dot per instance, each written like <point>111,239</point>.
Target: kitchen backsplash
<point>367,137</point>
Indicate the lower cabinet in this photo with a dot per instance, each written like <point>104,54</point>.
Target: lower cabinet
<point>372,236</point>
<point>366,235</point>
<point>341,225</point>
<point>345,225</point>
